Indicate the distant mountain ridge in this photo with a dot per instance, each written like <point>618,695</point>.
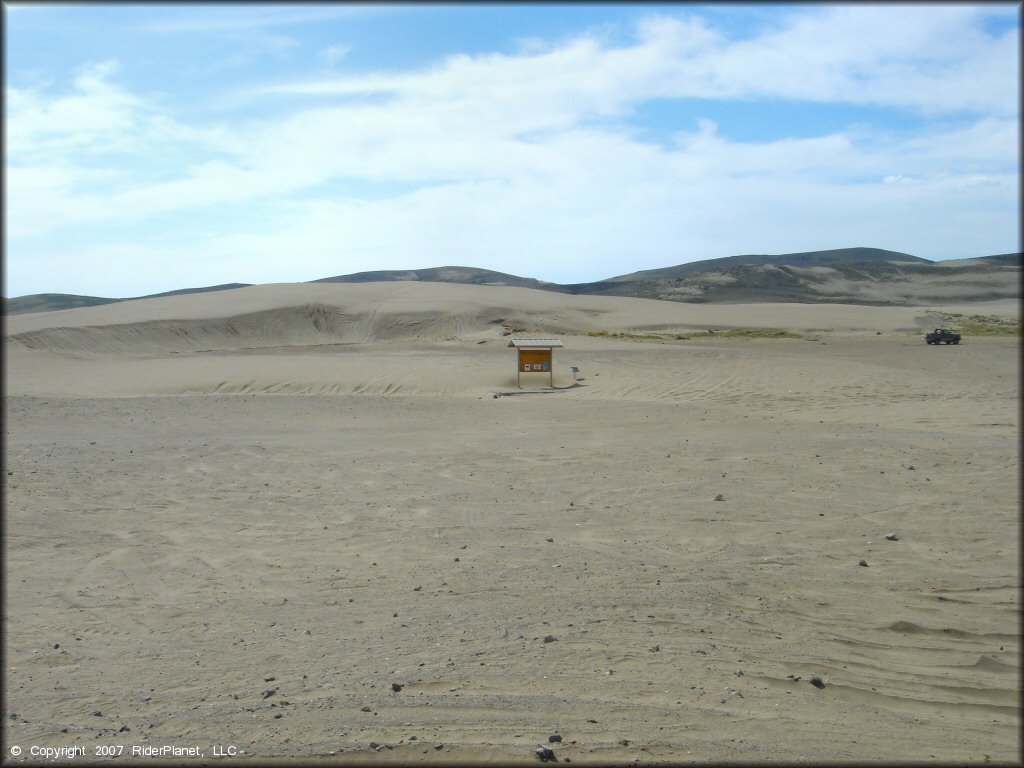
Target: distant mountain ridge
<point>844,275</point>
<point>470,275</point>
<point>805,259</point>
<point>50,302</point>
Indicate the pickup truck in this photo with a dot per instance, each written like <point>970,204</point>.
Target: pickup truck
<point>942,336</point>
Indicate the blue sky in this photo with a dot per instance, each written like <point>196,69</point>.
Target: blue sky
<point>157,147</point>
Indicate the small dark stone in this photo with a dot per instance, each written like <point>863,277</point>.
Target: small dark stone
<point>396,687</point>
<point>864,563</point>
<point>892,537</point>
<point>97,713</point>
<point>912,467</point>
<point>544,754</point>
<point>268,693</point>
<point>817,682</point>
<point>123,729</point>
<point>554,738</point>
<point>550,639</point>
<point>366,709</point>
<point>374,745</point>
<point>719,497</point>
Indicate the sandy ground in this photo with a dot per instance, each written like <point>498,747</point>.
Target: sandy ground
<point>239,521</point>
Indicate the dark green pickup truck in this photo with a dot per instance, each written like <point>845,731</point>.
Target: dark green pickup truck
<point>942,336</point>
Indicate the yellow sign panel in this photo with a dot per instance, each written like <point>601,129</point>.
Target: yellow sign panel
<point>534,360</point>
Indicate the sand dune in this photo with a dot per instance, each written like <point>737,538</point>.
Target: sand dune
<point>379,338</point>
<point>305,313</point>
<point>239,519</point>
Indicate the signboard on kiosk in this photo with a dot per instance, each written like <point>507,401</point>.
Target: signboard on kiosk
<point>533,360</point>
<point>535,356</point>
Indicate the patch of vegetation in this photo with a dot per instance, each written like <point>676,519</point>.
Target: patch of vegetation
<point>981,325</point>
<point>630,336</point>
<point>744,333</point>
<point>732,333</point>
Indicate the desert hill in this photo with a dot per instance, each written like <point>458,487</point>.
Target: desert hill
<point>48,302</point>
<point>805,259</point>
<point>845,276</point>
<point>998,260</point>
<point>881,283</point>
<point>467,275</point>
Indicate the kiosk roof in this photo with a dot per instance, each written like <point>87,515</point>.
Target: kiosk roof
<point>539,343</point>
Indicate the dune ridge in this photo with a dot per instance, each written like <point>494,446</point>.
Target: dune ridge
<point>310,315</point>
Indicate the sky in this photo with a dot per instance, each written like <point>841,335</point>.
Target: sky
<point>151,148</point>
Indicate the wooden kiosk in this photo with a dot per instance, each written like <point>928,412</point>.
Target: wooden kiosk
<point>534,356</point>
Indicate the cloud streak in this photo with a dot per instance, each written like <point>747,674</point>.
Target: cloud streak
<point>248,18</point>
<point>937,61</point>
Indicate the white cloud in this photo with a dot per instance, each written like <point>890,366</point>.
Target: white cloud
<point>332,54</point>
<point>526,163</point>
<point>933,59</point>
<point>42,198</point>
<point>94,114</point>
